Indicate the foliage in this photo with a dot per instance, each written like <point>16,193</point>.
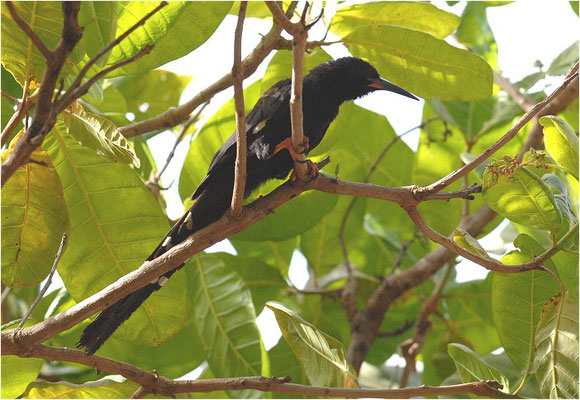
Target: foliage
<point>89,181</point>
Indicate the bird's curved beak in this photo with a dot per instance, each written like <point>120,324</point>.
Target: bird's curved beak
<point>383,84</point>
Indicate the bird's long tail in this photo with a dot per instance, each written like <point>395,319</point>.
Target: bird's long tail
<point>207,208</point>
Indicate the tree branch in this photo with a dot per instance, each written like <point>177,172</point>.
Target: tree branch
<point>237,74</point>
<point>153,383</point>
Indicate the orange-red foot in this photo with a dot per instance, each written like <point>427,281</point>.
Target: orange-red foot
<point>287,144</point>
<point>311,173</point>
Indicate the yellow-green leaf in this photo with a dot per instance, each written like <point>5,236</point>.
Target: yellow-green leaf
<point>469,243</point>
<point>322,357</point>
<point>422,17</point>
<point>421,63</point>
<point>34,217</point>
<point>561,142</point>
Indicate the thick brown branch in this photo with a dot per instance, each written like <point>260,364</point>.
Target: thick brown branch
<point>237,73</point>
<point>152,382</point>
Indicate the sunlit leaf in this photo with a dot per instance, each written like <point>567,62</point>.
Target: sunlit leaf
<point>516,301</point>
<point>475,32</point>
<point>469,243</point>
<point>418,16</point>
<point>472,368</point>
<point>111,387</point>
<point>322,357</point>
<point>99,134</point>
<point>565,60</point>
<point>225,318</point>
<point>34,217</point>
<point>561,142</point>
<point>556,361</point>
<point>421,63</point>
<point>175,30</point>
<point>115,225</point>
<point>522,197</point>
<point>99,22</point>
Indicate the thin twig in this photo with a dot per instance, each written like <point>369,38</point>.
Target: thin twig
<point>396,332</point>
<point>237,74</point>
<point>9,97</point>
<point>38,43</point>
<point>48,281</point>
<point>23,107</point>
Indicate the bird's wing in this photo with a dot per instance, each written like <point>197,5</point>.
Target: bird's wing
<point>268,104</point>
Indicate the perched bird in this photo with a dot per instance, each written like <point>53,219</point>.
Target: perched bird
<point>269,155</point>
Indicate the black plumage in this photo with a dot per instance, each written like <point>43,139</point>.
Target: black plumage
<point>325,88</point>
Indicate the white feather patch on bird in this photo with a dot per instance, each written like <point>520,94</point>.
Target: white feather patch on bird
<point>166,242</point>
<point>189,221</point>
<point>259,126</point>
<point>162,280</point>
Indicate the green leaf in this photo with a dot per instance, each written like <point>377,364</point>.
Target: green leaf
<point>561,142</point>
<point>151,93</point>
<point>574,5</point>
<point>99,22</point>
<point>34,217</point>
<point>255,9</point>
<point>225,318</point>
<point>110,387</point>
<point>469,243</point>
<point>12,88</point>
<point>100,134</point>
<point>565,60</point>
<point>17,372</point>
<point>19,55</point>
<point>556,361</point>
<point>422,64</point>
<point>469,117</point>
<point>322,357</point>
<point>175,30</point>
<point>473,368</point>
<point>516,300</point>
<point>115,224</point>
<point>567,266</point>
<point>475,32</point>
<point>418,16</point>
<point>522,197</point>
<point>277,254</point>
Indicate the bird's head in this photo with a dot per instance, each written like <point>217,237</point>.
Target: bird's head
<point>354,78</point>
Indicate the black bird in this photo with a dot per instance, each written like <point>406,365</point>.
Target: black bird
<point>268,129</point>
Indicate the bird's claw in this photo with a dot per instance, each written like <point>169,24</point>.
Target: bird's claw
<point>311,173</point>
<point>287,144</point>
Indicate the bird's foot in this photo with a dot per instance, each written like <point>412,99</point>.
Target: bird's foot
<point>311,173</point>
<point>287,144</point>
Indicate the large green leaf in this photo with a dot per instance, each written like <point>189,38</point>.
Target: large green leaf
<point>111,387</point>
<point>472,368</point>
<point>12,88</point>
<point>322,357</point>
<point>99,22</point>
<point>19,55</point>
<point>418,16</point>
<point>422,64</point>
<point>175,30</point>
<point>99,134</point>
<point>516,301</point>
<point>34,217</point>
<point>519,195</point>
<point>277,254</point>
<point>567,266</point>
<point>469,117</point>
<point>475,32</point>
<point>115,224</point>
<point>565,60</point>
<point>561,142</point>
<point>225,318</point>
<point>151,93</point>
<point>556,361</point>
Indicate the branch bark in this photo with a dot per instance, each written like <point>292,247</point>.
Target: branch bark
<point>237,73</point>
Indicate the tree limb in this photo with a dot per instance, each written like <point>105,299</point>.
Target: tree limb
<point>237,74</point>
